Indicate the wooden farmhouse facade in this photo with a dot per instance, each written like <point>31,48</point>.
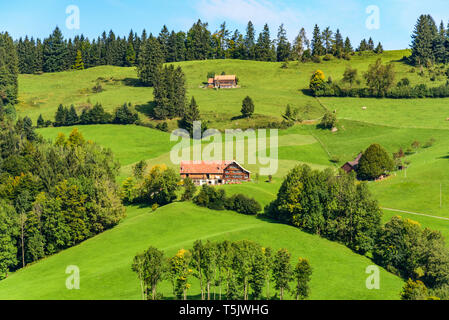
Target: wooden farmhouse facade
<point>223,82</point>
<point>214,172</point>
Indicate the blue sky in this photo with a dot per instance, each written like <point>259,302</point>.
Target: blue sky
<point>397,17</point>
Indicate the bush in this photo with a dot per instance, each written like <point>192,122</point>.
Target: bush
<point>211,198</point>
<point>328,121</point>
<point>374,162</point>
<point>316,59</point>
<point>243,204</point>
<point>419,254</point>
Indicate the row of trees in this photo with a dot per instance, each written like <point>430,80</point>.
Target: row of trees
<point>237,270</point>
<point>430,44</point>
<point>341,209</point>
<point>53,196</point>
<point>64,116</point>
<point>380,82</point>
<point>55,53</point>
<point>216,199</point>
<point>334,206</point>
<point>379,79</point>
<point>9,71</point>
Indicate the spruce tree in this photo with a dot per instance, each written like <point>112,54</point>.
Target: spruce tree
<point>264,45</point>
<point>247,107</point>
<point>348,46</point>
<point>150,61</point>
<point>60,116</point>
<point>55,52</point>
<point>283,49</point>
<point>130,58</point>
<point>40,122</point>
<point>317,43</point>
<point>9,70</point>
<point>250,41</point>
<point>79,64</point>
<point>191,115</point>
<point>423,39</point>
<point>72,116</point>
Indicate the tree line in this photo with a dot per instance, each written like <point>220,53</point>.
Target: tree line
<point>430,44</point>
<point>230,270</point>
<point>55,53</point>
<point>380,80</point>
<point>341,209</point>
<point>53,195</point>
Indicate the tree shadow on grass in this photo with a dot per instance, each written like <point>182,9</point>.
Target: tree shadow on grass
<point>146,109</point>
<point>133,82</point>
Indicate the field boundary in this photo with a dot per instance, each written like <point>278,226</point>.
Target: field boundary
<point>415,213</point>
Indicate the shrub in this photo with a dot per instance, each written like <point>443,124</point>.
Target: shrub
<point>243,204</point>
<point>211,198</point>
<point>374,162</point>
<point>316,59</point>
<point>328,121</point>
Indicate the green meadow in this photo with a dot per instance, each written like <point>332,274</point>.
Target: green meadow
<point>421,192</point>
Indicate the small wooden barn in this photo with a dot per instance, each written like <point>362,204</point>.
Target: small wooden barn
<point>352,165</point>
<point>223,82</point>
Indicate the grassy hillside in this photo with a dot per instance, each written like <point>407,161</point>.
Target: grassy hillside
<point>105,261</point>
<point>270,86</point>
<point>338,273</point>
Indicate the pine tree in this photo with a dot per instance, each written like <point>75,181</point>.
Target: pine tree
<point>348,46</point>
<point>9,70</point>
<point>150,61</point>
<point>264,45</point>
<point>72,117</point>
<point>379,49</point>
<point>363,46</point>
<point>370,44</point>
<point>317,43</point>
<point>328,42</point>
<point>250,42</point>
<point>198,42</point>
<point>338,45</point>
<point>79,64</point>
<point>191,115</point>
<point>40,122</point>
<point>60,116</point>
<point>300,45</point>
<point>163,38</point>
<point>423,39</point>
<point>283,49</point>
<point>55,52</point>
<point>130,58</point>
<point>247,107</point>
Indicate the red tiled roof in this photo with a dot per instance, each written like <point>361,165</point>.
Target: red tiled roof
<point>191,167</point>
<point>225,77</point>
<point>211,167</point>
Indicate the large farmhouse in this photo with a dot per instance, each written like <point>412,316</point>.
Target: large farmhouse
<point>214,172</point>
<point>352,165</point>
<point>223,82</point>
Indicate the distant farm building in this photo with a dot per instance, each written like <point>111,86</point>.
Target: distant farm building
<point>214,172</point>
<point>223,82</point>
<point>352,165</point>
